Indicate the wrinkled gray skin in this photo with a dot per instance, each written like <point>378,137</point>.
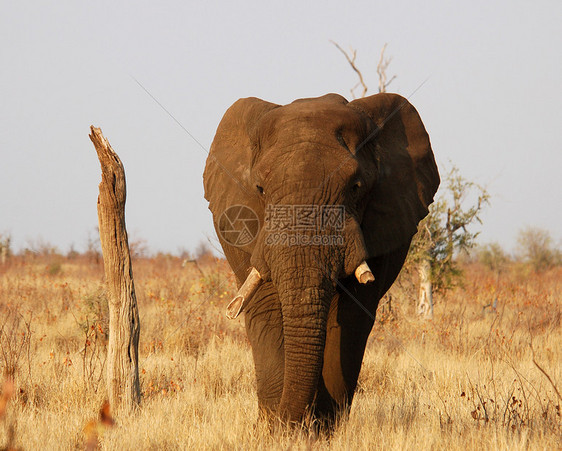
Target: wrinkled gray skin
<point>309,321</point>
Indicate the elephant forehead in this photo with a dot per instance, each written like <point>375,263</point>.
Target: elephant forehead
<point>308,163</point>
<point>315,122</point>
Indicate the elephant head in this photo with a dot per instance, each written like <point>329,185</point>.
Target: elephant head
<point>322,185</point>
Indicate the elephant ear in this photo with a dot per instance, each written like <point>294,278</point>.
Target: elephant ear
<point>407,174</point>
<point>226,178</point>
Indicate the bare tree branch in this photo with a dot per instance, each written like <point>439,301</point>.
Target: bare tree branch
<point>381,70</point>
<point>351,61</point>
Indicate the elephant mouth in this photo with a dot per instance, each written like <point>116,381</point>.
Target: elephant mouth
<point>363,275</point>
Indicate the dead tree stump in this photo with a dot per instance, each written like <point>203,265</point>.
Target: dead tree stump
<point>425,297</point>
<point>124,327</point>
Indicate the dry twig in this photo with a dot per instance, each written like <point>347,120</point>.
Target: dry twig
<point>351,61</point>
<point>381,70</point>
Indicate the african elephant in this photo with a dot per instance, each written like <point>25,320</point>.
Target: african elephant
<point>315,204</point>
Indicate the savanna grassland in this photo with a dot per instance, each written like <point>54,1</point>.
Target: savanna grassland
<point>473,378</point>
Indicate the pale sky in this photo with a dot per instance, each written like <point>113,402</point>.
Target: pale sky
<point>491,102</point>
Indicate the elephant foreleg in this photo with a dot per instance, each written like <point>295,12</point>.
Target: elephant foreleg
<point>348,329</point>
<point>350,320</point>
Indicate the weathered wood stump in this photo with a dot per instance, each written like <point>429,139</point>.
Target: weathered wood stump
<point>124,327</point>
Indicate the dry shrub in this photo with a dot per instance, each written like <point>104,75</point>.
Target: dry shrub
<point>15,342</point>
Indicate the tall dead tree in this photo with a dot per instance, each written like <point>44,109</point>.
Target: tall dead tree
<point>124,327</point>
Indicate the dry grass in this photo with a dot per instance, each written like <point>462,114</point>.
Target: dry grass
<point>466,380</point>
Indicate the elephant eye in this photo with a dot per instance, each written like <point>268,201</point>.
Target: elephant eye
<point>341,140</point>
<point>260,189</point>
<point>357,186</point>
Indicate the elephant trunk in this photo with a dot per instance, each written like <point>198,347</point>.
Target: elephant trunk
<point>305,294</point>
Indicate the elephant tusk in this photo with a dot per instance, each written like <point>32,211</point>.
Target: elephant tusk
<point>364,274</point>
<point>245,292</point>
